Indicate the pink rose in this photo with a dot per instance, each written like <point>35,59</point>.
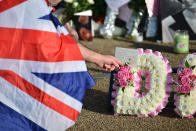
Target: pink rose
<point>184,89</point>
<point>185,80</point>
<point>187,71</point>
<point>125,68</point>
<point>122,83</point>
<point>192,77</point>
<point>192,85</point>
<point>122,75</point>
<point>130,78</point>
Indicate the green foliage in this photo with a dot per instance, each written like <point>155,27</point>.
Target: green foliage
<point>137,5</point>
<point>99,8</point>
<point>182,94</point>
<point>123,89</point>
<point>188,65</point>
<point>74,6</point>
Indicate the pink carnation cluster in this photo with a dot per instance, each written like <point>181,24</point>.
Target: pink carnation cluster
<point>124,75</point>
<point>186,80</point>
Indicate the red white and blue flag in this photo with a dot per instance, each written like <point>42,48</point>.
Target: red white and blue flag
<point>43,76</point>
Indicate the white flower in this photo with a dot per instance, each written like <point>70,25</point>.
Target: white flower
<point>124,111</point>
<point>158,75</point>
<point>69,1</point>
<point>186,105</point>
<point>143,111</point>
<point>194,71</point>
<point>118,110</point>
<point>91,1</point>
<point>75,4</point>
<point>130,111</point>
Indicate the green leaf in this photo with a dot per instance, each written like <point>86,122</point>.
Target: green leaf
<point>126,64</point>
<point>123,89</point>
<point>187,64</point>
<point>180,94</point>
<point>143,78</point>
<point>187,94</point>
<point>193,67</point>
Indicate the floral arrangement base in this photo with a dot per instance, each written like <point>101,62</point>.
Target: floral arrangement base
<point>142,88</point>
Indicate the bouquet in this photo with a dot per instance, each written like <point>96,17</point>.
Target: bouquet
<point>124,76</point>
<point>74,6</point>
<point>186,79</point>
<point>186,88</point>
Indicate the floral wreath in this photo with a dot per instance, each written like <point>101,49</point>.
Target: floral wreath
<point>152,73</point>
<point>186,87</point>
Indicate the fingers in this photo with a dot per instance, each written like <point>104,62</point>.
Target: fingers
<point>116,62</point>
<point>120,63</point>
<point>109,63</point>
<point>109,67</point>
<point>112,68</point>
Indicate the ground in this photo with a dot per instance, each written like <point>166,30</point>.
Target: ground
<point>96,117</point>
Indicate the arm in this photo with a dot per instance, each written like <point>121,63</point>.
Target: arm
<point>104,61</point>
<point>71,31</point>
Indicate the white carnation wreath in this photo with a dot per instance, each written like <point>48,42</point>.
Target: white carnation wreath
<point>150,68</point>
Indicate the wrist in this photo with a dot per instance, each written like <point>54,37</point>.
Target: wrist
<point>96,58</point>
<point>90,55</point>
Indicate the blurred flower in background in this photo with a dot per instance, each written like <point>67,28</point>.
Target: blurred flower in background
<point>74,6</point>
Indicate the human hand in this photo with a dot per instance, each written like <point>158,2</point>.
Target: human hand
<point>74,34</point>
<point>108,62</point>
<point>71,31</point>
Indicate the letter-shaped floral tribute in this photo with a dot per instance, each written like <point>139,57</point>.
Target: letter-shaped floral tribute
<point>185,97</point>
<point>142,88</point>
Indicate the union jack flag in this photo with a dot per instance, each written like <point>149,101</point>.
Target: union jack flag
<point>43,76</point>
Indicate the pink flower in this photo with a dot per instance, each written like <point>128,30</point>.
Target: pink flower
<point>130,78</point>
<point>192,77</point>
<point>146,74</point>
<point>192,85</point>
<point>124,72</point>
<point>122,75</point>
<point>187,71</point>
<point>184,89</point>
<point>122,83</point>
<point>125,68</point>
<point>185,80</point>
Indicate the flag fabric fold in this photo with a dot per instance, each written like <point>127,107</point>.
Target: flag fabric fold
<point>43,76</point>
